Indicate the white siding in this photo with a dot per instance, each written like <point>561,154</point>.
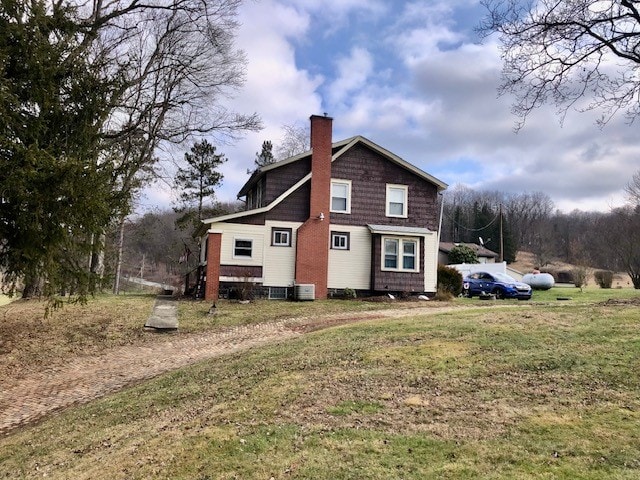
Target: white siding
<point>430,262</point>
<point>279,262</point>
<point>351,268</point>
<point>233,231</point>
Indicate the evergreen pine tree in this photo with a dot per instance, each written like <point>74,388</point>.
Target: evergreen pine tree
<point>265,156</point>
<point>56,198</point>
<point>198,180</point>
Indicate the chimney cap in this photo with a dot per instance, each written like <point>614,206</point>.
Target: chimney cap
<point>324,115</point>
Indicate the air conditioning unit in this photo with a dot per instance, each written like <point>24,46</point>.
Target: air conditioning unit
<point>304,291</point>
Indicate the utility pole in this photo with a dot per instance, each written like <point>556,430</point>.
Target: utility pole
<point>142,266</point>
<point>501,237</point>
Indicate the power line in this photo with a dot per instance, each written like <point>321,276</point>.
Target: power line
<point>473,229</point>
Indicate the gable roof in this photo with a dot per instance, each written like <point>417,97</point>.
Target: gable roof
<point>337,149</point>
<point>480,250</point>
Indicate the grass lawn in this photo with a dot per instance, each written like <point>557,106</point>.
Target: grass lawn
<point>542,389</point>
<point>4,300</point>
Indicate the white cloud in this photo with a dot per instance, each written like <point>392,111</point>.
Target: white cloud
<point>353,72</point>
<point>413,81</point>
<point>335,11</point>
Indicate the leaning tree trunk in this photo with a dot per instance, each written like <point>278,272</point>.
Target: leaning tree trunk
<point>116,283</point>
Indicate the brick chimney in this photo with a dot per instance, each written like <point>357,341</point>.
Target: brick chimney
<point>312,254</point>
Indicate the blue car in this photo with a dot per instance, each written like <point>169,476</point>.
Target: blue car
<point>498,284</point>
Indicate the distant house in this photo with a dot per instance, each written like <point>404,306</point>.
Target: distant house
<point>344,215</point>
<point>484,254</point>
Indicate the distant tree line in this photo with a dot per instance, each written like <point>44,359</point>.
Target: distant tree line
<point>158,246</point>
<point>605,240</point>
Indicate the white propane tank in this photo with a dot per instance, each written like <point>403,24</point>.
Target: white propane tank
<point>539,281</point>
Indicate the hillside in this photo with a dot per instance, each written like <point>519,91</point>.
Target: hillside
<point>525,263</point>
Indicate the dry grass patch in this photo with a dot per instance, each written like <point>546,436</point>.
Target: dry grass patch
<point>29,341</point>
<point>478,394</point>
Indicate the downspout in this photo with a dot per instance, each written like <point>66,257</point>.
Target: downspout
<point>439,234</point>
<point>440,222</point>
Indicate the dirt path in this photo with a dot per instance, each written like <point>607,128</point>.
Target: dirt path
<point>84,379</point>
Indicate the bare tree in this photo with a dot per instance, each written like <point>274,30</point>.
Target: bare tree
<point>527,213</point>
<point>621,230</point>
<point>633,188</point>
<point>295,140</point>
<point>176,63</point>
<point>562,52</point>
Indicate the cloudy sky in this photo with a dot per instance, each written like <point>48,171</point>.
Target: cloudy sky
<point>412,77</point>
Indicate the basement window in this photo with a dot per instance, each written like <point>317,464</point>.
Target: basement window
<point>277,293</point>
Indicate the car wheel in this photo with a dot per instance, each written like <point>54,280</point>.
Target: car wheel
<point>499,293</point>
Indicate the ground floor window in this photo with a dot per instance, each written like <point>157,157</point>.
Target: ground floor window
<point>281,237</point>
<point>400,254</point>
<point>242,248</point>
<point>340,240</point>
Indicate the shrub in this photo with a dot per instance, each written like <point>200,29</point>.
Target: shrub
<point>462,254</point>
<point>449,280</point>
<point>579,277</point>
<point>349,293</point>
<point>443,295</point>
<point>604,278</point>
<point>560,276</point>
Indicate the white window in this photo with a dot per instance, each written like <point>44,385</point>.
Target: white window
<point>340,240</point>
<point>341,196</point>
<point>397,200</point>
<point>400,254</point>
<point>391,253</point>
<point>242,248</point>
<point>281,237</point>
<point>409,255</point>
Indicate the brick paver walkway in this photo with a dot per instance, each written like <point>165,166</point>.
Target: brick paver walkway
<point>85,379</point>
<point>88,378</point>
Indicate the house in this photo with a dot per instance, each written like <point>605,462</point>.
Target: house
<point>484,254</point>
<point>344,215</point>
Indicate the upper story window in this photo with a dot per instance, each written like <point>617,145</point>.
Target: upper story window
<point>341,196</point>
<point>259,193</point>
<point>242,248</point>
<point>397,199</point>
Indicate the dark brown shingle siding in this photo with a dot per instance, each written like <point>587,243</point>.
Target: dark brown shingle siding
<point>369,173</point>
